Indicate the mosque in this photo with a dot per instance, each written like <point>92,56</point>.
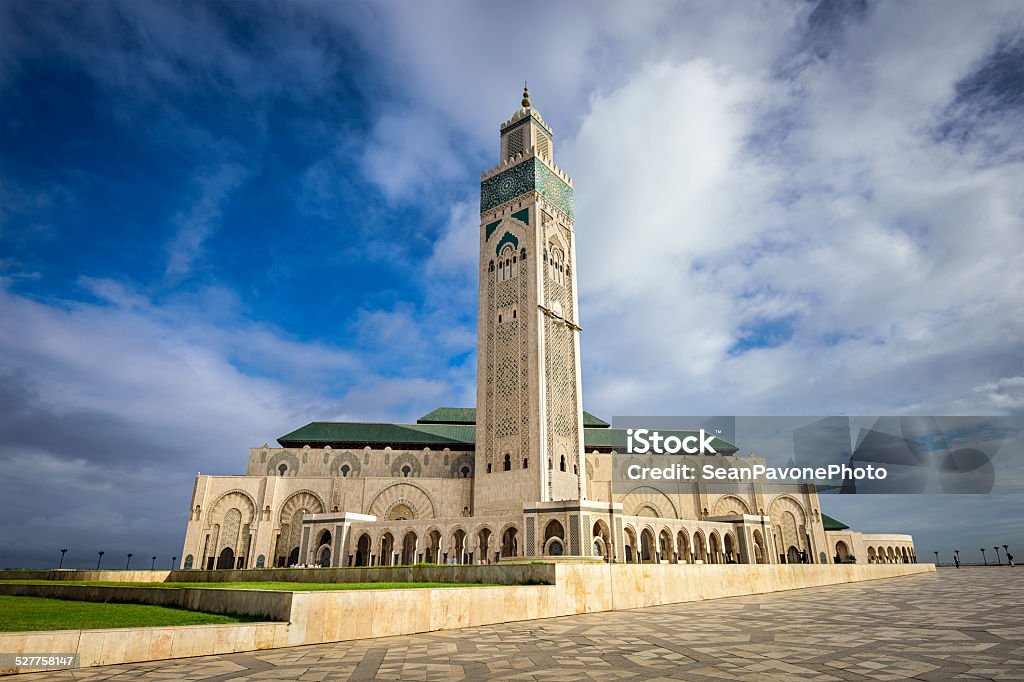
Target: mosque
<point>527,473</point>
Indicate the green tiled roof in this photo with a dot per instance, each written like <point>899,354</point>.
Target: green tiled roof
<point>467,415</point>
<point>361,434</point>
<point>456,436</point>
<point>832,524</point>
<point>449,415</point>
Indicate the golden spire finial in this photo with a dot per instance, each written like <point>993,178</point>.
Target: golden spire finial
<point>526,95</point>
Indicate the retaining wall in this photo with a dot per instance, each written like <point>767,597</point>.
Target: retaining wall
<point>332,616</point>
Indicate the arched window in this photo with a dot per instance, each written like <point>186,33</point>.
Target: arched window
<point>508,462</point>
<point>282,469</point>
<point>526,462</point>
<point>406,471</point>
<point>561,464</point>
<point>345,469</point>
<point>465,472</point>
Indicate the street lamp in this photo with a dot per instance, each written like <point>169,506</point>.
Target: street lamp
<point>999,558</point>
<point>98,560</point>
<point>129,563</point>
<point>153,567</point>
<point>173,560</point>
<point>936,558</point>
<point>983,556</point>
<point>62,553</point>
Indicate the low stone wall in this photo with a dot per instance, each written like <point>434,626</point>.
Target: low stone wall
<point>108,647</point>
<point>90,576</point>
<point>334,616</point>
<point>269,604</point>
<point>494,574</point>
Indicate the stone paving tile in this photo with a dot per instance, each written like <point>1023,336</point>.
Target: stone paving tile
<point>966,624</point>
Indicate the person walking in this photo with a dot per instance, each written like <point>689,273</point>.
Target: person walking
<point>1009,558</point>
<point>956,561</point>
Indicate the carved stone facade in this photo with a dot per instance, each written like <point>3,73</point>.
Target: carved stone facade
<point>528,473</point>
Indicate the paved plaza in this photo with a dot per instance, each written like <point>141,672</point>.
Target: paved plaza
<point>953,624</point>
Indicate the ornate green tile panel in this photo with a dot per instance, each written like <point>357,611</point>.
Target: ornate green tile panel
<point>523,215</point>
<point>507,238</point>
<point>522,178</point>
<point>491,227</point>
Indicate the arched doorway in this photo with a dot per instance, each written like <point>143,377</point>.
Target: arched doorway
<point>325,557</point>
<point>683,547</point>
<point>483,539</point>
<point>293,557</point>
<point>458,547</point>
<point>647,550</point>
<point>363,550</point>
<point>715,545</point>
<point>554,538</point>
<point>630,546</point>
<point>602,540</point>
<point>760,554</point>
<point>792,555</point>
<point>226,558</point>
<point>700,548</point>
<point>666,552</point>
<point>842,553</point>
<point>409,549</point>
<point>387,550</point>
<point>731,553</point>
<point>872,555</point>
<point>434,547</point>
<point>510,542</point>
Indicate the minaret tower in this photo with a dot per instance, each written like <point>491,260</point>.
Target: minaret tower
<point>529,433</point>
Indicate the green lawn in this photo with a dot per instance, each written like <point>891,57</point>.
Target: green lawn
<point>24,614</point>
<point>269,585</point>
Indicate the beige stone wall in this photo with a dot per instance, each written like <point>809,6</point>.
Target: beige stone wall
<point>870,548</point>
<point>318,617</point>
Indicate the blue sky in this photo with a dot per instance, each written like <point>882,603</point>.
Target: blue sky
<point>221,221</point>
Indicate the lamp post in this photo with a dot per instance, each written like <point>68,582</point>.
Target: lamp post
<point>983,556</point>
<point>153,567</point>
<point>129,562</point>
<point>62,553</point>
<point>936,558</point>
<point>174,560</point>
<point>999,558</point>
<point>99,559</point>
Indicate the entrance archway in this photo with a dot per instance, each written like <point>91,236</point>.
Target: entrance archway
<point>760,555</point>
<point>363,550</point>
<point>792,555</point>
<point>665,549</point>
<point>510,542</point>
<point>409,549</point>
<point>731,555</point>
<point>683,547</point>
<point>700,548</point>
<point>325,557</point>
<point>483,539</point>
<point>554,538</point>
<point>842,553</point>
<point>226,558</point>
<point>630,546</point>
<point>387,550</point>
<point>647,551</point>
<point>715,548</point>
